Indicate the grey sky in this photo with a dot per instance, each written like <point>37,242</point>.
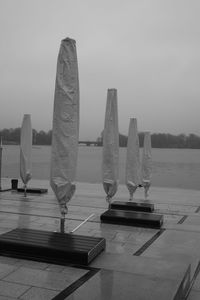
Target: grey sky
<point>149,50</point>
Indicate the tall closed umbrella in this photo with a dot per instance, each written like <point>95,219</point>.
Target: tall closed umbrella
<point>133,159</point>
<point>25,150</point>
<point>65,131</point>
<point>146,163</point>
<point>1,150</point>
<point>110,164</point>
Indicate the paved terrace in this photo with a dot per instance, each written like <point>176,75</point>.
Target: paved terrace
<point>138,263</point>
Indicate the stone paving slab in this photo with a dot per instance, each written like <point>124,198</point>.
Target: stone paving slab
<point>193,220</point>
<point>23,279</point>
<point>6,298</point>
<point>194,295</point>
<point>6,269</point>
<point>35,293</point>
<point>196,285</point>
<point>39,278</point>
<point>177,245</point>
<point>114,285</point>
<point>31,264</point>
<point>171,219</point>
<point>141,265</point>
<point>182,227</point>
<point>177,209</point>
<point>11,289</point>
<point>49,278</point>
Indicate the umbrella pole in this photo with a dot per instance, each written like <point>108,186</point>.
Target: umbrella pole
<point>146,186</point>
<point>146,193</point>
<point>64,211</point>
<point>62,223</point>
<point>131,189</point>
<point>108,199</point>
<point>131,197</point>
<point>131,193</point>
<point>25,188</point>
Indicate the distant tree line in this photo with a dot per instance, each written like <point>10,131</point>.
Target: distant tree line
<point>166,140</point>
<point>12,136</point>
<point>158,140</point>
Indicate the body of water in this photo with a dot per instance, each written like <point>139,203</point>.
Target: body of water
<point>171,167</point>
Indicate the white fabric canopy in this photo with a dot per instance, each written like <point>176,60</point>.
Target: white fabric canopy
<point>65,131</point>
<point>110,164</point>
<point>133,172</point>
<point>146,163</point>
<point>25,149</point>
<point>147,158</point>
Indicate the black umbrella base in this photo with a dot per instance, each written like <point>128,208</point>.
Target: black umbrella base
<point>132,218</point>
<point>52,247</point>
<point>33,190</point>
<point>4,190</point>
<point>133,206</point>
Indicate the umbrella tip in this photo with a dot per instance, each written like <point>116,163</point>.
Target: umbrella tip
<point>68,39</point>
<point>112,89</point>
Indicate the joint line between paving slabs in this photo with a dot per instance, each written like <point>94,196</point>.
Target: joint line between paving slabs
<point>149,243</point>
<point>75,285</point>
<point>196,273</point>
<point>182,219</point>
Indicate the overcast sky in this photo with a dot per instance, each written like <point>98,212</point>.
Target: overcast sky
<point>149,50</point>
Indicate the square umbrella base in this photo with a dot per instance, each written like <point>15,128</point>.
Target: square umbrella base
<point>53,247</point>
<point>33,190</point>
<point>133,206</point>
<point>132,218</point>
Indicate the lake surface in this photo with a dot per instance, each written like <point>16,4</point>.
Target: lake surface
<point>171,167</point>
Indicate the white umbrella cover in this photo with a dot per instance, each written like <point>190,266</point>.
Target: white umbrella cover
<point>1,150</point>
<point>133,176</point>
<point>110,163</point>
<point>25,150</point>
<point>146,163</point>
<point>65,131</point>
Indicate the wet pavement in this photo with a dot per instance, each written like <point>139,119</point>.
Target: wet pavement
<point>138,263</point>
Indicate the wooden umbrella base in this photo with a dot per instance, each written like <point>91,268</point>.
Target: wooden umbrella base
<point>132,218</point>
<point>33,190</point>
<point>133,206</point>
<point>53,247</point>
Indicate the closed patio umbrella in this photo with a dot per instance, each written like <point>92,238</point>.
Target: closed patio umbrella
<point>133,159</point>
<point>25,150</point>
<point>110,164</point>
<point>1,150</point>
<point>65,131</point>
<point>146,163</point>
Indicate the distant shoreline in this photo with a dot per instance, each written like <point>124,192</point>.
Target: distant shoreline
<point>81,145</point>
<point>158,140</point>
